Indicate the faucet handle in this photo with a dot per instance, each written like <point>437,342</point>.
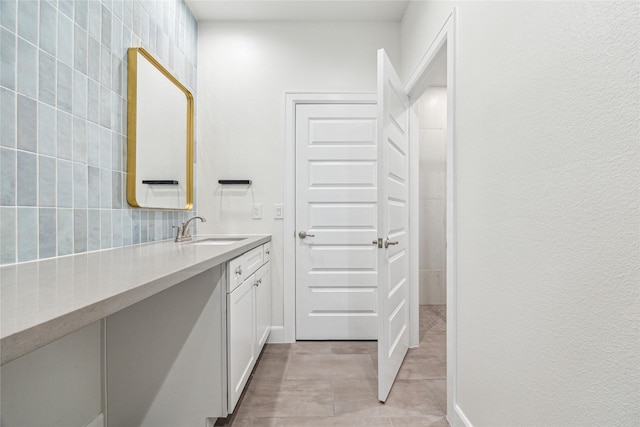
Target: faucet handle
<point>186,229</point>
<point>178,233</point>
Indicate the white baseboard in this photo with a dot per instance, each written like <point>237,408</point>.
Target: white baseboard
<point>98,421</point>
<point>277,335</point>
<point>459,418</point>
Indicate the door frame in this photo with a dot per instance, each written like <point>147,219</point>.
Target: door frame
<point>292,99</point>
<point>418,81</point>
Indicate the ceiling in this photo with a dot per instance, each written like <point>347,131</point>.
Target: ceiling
<point>299,10</point>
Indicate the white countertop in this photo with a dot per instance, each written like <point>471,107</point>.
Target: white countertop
<point>45,300</point>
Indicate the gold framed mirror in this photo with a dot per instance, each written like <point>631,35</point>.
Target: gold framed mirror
<point>160,118</point>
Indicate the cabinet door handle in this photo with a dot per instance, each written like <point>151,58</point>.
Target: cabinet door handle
<point>267,251</point>
<point>258,282</point>
<point>238,270</point>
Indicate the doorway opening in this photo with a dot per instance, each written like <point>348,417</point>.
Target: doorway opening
<point>432,196</point>
<point>427,360</point>
<point>431,89</point>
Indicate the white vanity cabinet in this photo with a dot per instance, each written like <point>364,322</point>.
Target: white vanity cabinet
<point>248,316</point>
<point>151,335</point>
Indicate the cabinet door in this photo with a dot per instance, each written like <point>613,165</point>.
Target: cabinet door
<point>263,306</point>
<point>241,311</point>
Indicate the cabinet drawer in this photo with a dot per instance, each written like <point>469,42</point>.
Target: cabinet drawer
<point>236,273</point>
<point>252,261</point>
<point>244,266</point>
<point>266,252</point>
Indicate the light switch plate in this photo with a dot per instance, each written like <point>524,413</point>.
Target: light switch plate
<point>256,211</point>
<point>278,211</point>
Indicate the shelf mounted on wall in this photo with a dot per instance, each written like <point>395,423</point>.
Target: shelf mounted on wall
<point>234,181</point>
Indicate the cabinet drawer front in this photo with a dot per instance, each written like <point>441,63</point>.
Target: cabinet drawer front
<point>266,255</point>
<point>252,261</point>
<point>236,272</point>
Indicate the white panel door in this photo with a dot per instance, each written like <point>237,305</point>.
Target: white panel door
<point>393,223</point>
<point>336,194</point>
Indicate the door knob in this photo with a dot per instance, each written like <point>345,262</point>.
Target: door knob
<point>304,235</point>
<point>388,242</point>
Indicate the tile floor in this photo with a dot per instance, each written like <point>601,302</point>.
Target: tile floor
<point>334,383</point>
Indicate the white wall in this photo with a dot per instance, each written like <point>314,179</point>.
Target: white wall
<point>433,123</point>
<point>244,69</point>
<point>421,23</point>
<point>548,162</point>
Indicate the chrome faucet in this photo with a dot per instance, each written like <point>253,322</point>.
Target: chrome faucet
<point>184,234</point>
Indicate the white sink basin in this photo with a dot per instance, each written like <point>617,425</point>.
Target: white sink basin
<point>217,241</point>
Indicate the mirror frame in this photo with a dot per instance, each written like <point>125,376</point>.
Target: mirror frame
<point>132,105</point>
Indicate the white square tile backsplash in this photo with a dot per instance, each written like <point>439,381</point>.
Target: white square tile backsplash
<point>63,95</point>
